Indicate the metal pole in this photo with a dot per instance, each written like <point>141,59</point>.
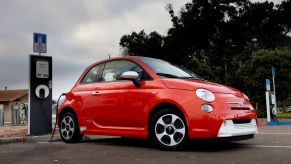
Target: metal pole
<point>268,106</point>
<point>274,88</point>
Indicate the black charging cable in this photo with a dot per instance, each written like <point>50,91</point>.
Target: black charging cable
<point>57,116</point>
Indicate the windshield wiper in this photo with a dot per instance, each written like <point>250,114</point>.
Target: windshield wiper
<point>167,75</point>
<point>192,78</point>
<point>174,76</point>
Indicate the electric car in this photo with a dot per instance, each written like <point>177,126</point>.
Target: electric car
<point>148,98</point>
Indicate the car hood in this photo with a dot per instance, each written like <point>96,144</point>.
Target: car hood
<point>186,84</point>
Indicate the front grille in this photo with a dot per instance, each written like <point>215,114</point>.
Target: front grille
<point>239,108</point>
<point>241,121</point>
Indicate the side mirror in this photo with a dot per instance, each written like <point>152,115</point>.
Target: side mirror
<point>131,75</point>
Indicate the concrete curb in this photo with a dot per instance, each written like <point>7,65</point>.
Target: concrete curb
<point>28,139</point>
<point>12,140</point>
<point>44,138</point>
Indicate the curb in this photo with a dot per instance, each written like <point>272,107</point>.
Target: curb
<point>279,123</point>
<point>44,138</point>
<point>13,140</point>
<point>28,139</point>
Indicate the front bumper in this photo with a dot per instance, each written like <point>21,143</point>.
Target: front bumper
<point>229,129</point>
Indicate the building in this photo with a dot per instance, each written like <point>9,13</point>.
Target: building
<point>10,98</point>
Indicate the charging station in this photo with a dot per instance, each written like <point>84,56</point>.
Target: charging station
<point>271,105</point>
<point>40,95</point>
<point>40,89</point>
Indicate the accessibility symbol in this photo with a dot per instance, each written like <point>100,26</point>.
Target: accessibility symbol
<point>39,43</point>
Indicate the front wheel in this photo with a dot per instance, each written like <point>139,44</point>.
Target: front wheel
<point>69,128</point>
<point>168,129</point>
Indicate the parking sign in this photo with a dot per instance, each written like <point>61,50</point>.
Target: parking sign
<point>39,42</point>
<point>268,86</point>
<point>273,72</point>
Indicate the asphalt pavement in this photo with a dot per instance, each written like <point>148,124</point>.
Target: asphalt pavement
<point>271,145</point>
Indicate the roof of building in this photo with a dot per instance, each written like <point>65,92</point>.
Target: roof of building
<point>12,95</point>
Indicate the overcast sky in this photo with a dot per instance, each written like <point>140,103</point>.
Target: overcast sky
<point>79,33</point>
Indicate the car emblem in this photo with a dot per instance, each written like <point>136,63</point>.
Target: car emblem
<point>240,102</point>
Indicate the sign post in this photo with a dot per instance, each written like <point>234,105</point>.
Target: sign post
<point>268,88</point>
<point>274,89</point>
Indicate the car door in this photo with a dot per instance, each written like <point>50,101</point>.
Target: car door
<point>119,103</point>
<point>83,91</point>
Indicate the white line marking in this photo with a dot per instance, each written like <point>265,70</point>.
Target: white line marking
<point>42,142</point>
<point>275,133</point>
<point>49,143</point>
<point>269,146</point>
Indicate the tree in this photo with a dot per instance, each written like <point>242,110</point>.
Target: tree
<point>216,38</point>
<point>253,73</point>
<point>142,44</point>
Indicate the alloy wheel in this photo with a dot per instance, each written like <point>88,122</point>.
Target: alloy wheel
<point>170,130</point>
<point>67,127</point>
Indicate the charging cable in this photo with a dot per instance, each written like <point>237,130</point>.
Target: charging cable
<point>57,116</point>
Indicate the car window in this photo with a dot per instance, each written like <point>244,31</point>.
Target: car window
<point>167,70</point>
<point>114,69</point>
<point>94,75</point>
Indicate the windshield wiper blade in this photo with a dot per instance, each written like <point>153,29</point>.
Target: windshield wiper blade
<point>193,78</point>
<point>167,75</point>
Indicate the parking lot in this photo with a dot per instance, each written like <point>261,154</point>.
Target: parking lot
<point>271,145</point>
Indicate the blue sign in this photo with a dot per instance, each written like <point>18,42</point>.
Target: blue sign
<point>268,87</point>
<point>39,42</point>
<point>273,72</point>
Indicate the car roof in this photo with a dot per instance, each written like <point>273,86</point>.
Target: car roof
<point>121,57</point>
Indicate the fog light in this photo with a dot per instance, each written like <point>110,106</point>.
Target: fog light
<point>207,108</point>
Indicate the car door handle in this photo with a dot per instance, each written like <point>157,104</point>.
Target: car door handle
<point>95,93</point>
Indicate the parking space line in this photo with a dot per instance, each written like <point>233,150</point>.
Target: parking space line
<point>276,133</point>
<point>49,142</point>
<point>270,146</point>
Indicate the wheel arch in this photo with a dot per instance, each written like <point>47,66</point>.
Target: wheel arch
<point>65,110</point>
<point>162,106</point>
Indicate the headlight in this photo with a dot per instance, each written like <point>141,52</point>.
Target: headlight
<point>245,96</point>
<point>205,95</point>
<point>206,108</point>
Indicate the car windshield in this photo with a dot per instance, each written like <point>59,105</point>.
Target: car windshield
<point>167,70</point>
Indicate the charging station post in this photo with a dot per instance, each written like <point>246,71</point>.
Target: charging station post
<point>40,89</point>
<point>40,95</point>
<point>271,104</point>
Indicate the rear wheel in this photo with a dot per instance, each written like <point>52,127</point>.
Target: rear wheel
<point>168,129</point>
<point>69,128</point>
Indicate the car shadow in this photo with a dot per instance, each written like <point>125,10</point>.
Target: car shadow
<point>119,141</point>
<point>209,145</point>
<point>213,145</point>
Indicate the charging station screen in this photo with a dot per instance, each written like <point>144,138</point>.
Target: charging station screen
<point>42,69</point>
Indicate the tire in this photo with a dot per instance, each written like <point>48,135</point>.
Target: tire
<point>168,129</point>
<point>69,128</point>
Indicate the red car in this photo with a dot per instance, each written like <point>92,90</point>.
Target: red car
<point>144,97</point>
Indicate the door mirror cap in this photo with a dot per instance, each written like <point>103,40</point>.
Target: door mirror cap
<point>129,75</point>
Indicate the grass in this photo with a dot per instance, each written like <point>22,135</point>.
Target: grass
<point>284,115</point>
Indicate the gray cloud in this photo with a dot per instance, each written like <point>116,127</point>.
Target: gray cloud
<point>79,34</point>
